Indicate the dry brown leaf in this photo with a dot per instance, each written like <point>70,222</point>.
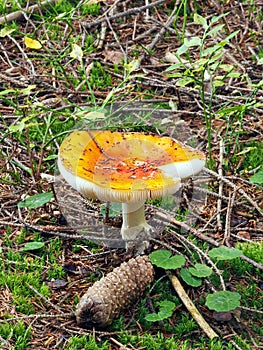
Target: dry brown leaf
<point>113,56</point>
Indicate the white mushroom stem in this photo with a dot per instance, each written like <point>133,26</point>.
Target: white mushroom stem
<point>134,223</point>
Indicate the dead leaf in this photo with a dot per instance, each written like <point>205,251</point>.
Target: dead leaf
<point>90,115</point>
<point>113,56</point>
<point>89,68</point>
<point>57,284</point>
<point>76,52</point>
<point>243,234</point>
<point>6,31</point>
<point>32,43</point>
<point>222,316</point>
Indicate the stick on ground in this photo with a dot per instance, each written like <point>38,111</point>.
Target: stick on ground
<point>191,307</point>
<point>19,14</point>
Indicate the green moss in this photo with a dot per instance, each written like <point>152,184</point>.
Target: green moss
<point>99,78</point>
<point>61,6</point>
<point>249,155</point>
<point>252,250</point>
<point>18,284</point>
<point>160,341</point>
<point>185,325</point>
<point>18,334</point>
<point>90,9</point>
<point>85,342</point>
<point>8,6</point>
<point>251,295</point>
<point>153,342</point>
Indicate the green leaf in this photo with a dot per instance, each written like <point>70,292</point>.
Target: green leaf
<point>174,75</point>
<point>152,317</point>
<point>246,150</point>
<point>223,301</point>
<point>17,127</point>
<point>200,270</point>
<point>181,50</point>
<point>132,66</point>
<point>215,30</point>
<point>226,67</point>
<point>211,50</point>
<point>184,81</point>
<point>228,110</point>
<point>201,63</point>
<point>200,20</point>
<point>233,75</point>
<point>188,278</point>
<point>193,41</point>
<point>257,178</point>
<point>51,157</point>
<point>6,31</point>
<point>163,258</point>
<point>86,113</point>
<point>225,253</point>
<point>33,246</point>
<point>36,201</point>
<point>227,39</point>
<point>218,83</point>
<point>166,311</point>
<point>28,89</point>
<point>174,66</point>
<point>215,19</point>
<point>6,92</point>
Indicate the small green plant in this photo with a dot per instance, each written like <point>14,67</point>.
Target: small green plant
<point>84,342</point>
<point>18,334</point>
<point>224,253</point>
<point>218,301</point>
<point>188,278</point>
<point>165,311</point>
<point>223,301</point>
<point>32,246</point>
<point>207,73</point>
<point>36,200</point>
<point>257,178</point>
<point>163,258</point>
<point>193,275</point>
<point>90,9</point>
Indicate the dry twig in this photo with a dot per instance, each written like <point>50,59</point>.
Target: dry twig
<point>129,12</point>
<point>191,307</point>
<point>19,14</point>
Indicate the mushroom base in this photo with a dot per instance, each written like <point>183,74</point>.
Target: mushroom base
<point>135,231</point>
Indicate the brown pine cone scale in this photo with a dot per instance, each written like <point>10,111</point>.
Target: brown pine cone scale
<point>117,291</point>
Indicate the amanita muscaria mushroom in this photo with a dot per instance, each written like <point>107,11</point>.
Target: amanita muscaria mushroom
<point>127,167</point>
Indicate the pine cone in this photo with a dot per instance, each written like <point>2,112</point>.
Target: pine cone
<point>118,290</point>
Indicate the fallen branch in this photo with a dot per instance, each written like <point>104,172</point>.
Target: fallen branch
<point>37,316</point>
<point>129,12</point>
<point>191,307</point>
<point>236,188</point>
<point>184,226</point>
<point>18,14</point>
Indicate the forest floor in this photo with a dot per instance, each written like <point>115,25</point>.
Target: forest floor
<point>190,70</point>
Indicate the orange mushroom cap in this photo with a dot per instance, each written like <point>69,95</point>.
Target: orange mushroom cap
<point>126,166</point>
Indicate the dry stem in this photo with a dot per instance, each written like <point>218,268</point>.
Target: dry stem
<point>191,307</point>
<point>18,14</point>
